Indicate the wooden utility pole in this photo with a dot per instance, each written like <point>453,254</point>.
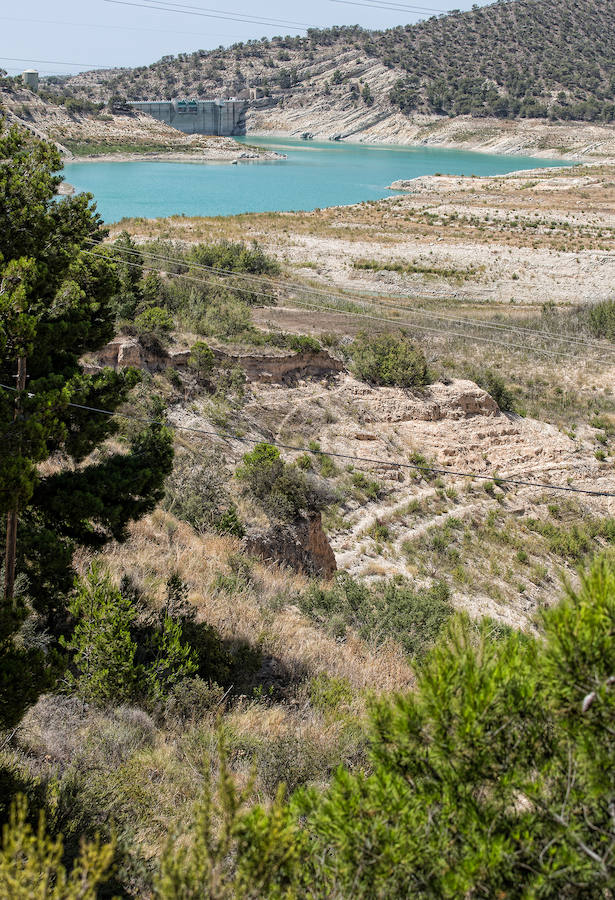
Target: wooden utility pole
<point>11,519</point>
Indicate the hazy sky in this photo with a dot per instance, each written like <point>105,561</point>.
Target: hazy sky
<point>53,36</point>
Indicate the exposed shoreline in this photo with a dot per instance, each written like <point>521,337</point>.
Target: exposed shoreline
<point>228,157</point>
<point>538,138</point>
<point>207,157</point>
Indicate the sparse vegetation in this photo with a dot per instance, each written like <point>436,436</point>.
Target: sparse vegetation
<point>415,268</point>
<point>197,492</point>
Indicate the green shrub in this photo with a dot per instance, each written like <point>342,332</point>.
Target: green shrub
<point>281,489</point>
<point>197,493</point>
<point>201,361</point>
<point>173,377</point>
<point>230,523</point>
<point>327,692</point>
<point>493,719</point>
<point>367,487</point>
<point>103,650</point>
<point>233,257</point>
<point>301,343</point>
<point>260,469</point>
<point>389,360</point>
<point>393,609</point>
<point>327,467</point>
<point>492,777</point>
<point>214,661</point>
<point>113,659</point>
<point>601,318</point>
<point>495,385</point>
<point>380,532</point>
<point>422,464</point>
<point>172,661</point>
<point>230,383</point>
<point>231,849</point>
<point>154,320</point>
<point>304,462</point>
<point>226,317</point>
<point>578,540</point>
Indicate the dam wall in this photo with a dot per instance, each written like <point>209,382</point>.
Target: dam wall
<point>218,117</point>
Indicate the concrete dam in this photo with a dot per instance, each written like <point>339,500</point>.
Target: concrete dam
<point>220,117</point>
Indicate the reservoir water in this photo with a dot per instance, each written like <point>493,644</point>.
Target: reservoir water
<point>314,175</point>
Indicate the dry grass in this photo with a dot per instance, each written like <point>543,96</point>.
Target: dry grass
<point>261,614</point>
<point>143,773</point>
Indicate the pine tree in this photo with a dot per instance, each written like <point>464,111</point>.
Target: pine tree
<point>55,306</point>
<point>31,863</point>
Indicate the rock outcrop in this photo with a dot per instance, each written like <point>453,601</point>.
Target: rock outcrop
<point>302,545</point>
<point>457,400</point>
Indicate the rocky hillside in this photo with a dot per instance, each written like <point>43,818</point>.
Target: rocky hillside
<point>525,58</point>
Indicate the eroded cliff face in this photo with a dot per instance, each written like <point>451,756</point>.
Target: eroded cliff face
<point>266,368</point>
<point>303,546</point>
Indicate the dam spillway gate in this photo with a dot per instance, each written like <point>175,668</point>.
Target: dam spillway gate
<point>224,118</point>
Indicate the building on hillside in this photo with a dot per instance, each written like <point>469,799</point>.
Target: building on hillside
<point>217,117</point>
<point>30,79</point>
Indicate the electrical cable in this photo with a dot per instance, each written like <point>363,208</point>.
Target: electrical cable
<point>176,5</point>
<point>396,322</point>
<point>362,299</point>
<point>231,17</point>
<point>347,456</point>
<point>595,345</point>
<point>54,62</point>
<point>144,268</point>
<point>338,311</point>
<point>98,26</point>
<point>391,7</point>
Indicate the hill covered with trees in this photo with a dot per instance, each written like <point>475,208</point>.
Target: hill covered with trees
<point>526,58</point>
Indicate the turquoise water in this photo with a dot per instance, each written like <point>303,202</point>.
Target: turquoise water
<point>314,175</point>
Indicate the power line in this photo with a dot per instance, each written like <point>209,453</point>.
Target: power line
<point>54,62</point>
<point>227,17</point>
<point>394,321</point>
<point>441,331</point>
<point>595,345</point>
<point>97,26</point>
<point>361,298</point>
<point>188,6</point>
<point>392,7</point>
<point>346,456</point>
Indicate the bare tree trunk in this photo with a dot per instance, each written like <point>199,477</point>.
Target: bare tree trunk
<point>11,520</point>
